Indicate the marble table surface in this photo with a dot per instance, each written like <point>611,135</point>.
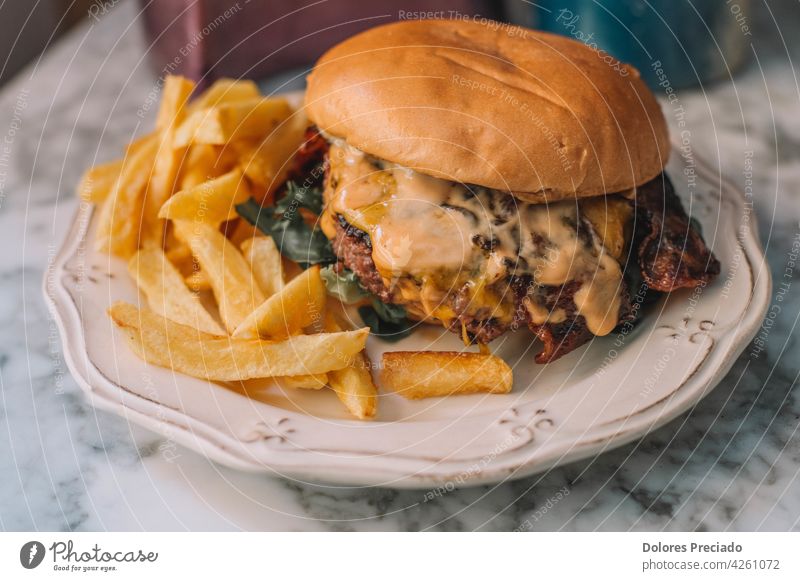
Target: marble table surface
<point>732,463</point>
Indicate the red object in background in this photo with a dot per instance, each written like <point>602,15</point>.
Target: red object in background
<point>208,39</point>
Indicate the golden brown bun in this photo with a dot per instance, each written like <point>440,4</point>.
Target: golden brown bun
<point>504,107</point>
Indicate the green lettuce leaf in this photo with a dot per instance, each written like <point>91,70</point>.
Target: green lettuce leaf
<point>343,285</point>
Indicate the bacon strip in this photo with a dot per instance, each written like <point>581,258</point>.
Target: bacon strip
<point>310,158</point>
<point>671,252</point>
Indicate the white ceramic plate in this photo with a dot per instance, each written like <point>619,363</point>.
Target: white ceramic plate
<point>601,396</point>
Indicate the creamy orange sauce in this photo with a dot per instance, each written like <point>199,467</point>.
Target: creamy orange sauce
<point>401,210</point>
<point>444,234</point>
<point>598,299</point>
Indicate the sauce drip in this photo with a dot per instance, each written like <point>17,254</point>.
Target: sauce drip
<point>446,234</point>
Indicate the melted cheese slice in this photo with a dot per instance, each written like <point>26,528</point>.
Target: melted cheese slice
<point>444,235</point>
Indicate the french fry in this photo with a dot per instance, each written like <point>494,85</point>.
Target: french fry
<point>140,142</point>
<point>184,349</point>
<point>98,181</point>
<point>201,163</point>
<point>291,269</point>
<point>181,257</point>
<point>353,384</point>
<point>262,255</point>
<point>163,181</point>
<point>354,387</point>
<point>268,164</point>
<point>231,279</point>
<point>166,293</point>
<point>212,202</point>
<point>240,230</point>
<point>317,381</point>
<point>119,222</point>
<point>225,91</point>
<point>421,374</point>
<point>299,304</point>
<point>198,281</point>
<point>223,123</point>
<point>179,254</point>
<point>174,98</point>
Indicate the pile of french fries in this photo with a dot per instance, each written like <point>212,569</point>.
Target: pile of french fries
<point>224,305</point>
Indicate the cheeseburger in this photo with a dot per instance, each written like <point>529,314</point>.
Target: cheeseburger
<point>491,179</point>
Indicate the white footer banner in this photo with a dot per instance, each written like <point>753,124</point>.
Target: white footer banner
<point>380,556</point>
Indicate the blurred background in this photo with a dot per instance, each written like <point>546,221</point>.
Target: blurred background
<point>28,28</point>
<point>696,41</point>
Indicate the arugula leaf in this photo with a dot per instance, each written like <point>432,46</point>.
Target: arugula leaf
<point>389,312</point>
<point>299,197</point>
<point>257,215</point>
<point>343,285</point>
<point>295,239</point>
<point>389,322</point>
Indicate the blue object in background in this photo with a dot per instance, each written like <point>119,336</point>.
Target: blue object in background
<point>693,40</point>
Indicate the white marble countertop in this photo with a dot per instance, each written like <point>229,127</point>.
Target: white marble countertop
<point>730,464</point>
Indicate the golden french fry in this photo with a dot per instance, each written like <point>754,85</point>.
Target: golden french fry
<point>98,181</point>
<point>163,182</point>
<point>198,281</point>
<point>174,98</point>
<point>419,374</point>
<point>119,222</point>
<point>184,349</point>
<point>291,270</point>
<point>140,142</point>
<point>240,230</point>
<point>179,253</point>
<point>299,304</point>
<point>257,387</point>
<point>164,179</point>
<point>181,256</point>
<point>202,163</point>
<point>231,279</point>
<point>166,293</point>
<point>262,255</point>
<point>229,121</point>
<point>212,202</point>
<point>225,91</point>
<point>317,381</point>
<point>353,385</point>
<point>187,133</point>
<point>268,164</point>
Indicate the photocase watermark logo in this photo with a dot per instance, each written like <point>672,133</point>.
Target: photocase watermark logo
<point>31,554</point>
<point>570,23</point>
<point>399,253</point>
<point>396,253</point>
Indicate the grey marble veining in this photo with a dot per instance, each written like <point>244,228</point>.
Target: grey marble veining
<point>732,463</point>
